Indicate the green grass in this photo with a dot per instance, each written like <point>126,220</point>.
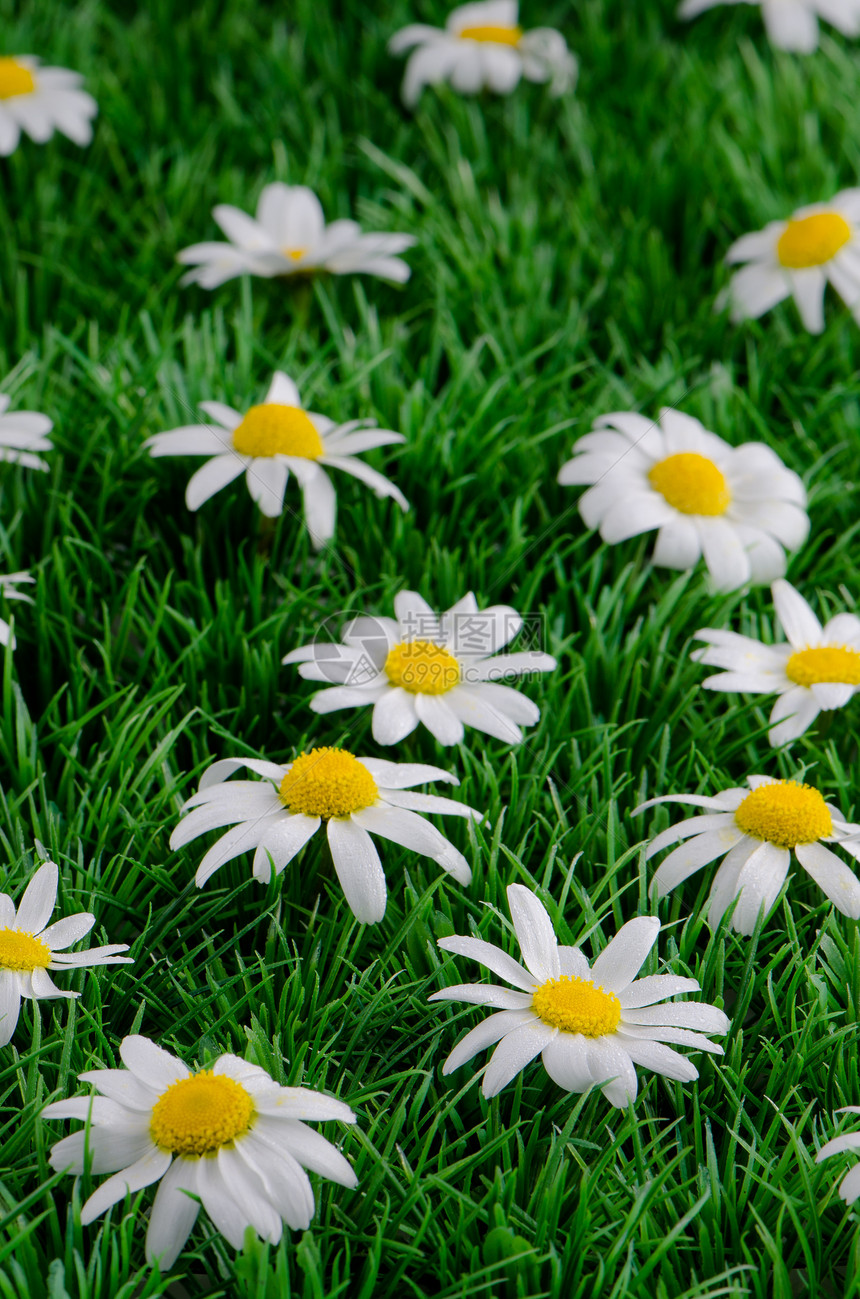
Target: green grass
<point>568,256</point>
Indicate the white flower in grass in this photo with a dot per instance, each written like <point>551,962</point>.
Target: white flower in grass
<point>819,667</point>
<point>739,507</point>
<point>28,950</point>
<point>591,1024</point>
<point>849,1187</point>
<point>290,237</point>
<point>271,441</point>
<point>482,45</point>
<point>793,24</point>
<point>355,797</point>
<point>39,101</point>
<point>755,831</point>
<point>229,1138</point>
<point>8,582</point>
<point>797,258</point>
<point>440,670</point>
<point>22,434</point>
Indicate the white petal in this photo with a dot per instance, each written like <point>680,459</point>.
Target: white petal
<point>653,988</point>
<point>394,716</point>
<point>808,287</point>
<point>439,718</point>
<point>659,1059</point>
<point>487,1033</point>
<point>313,1151</point>
<point>282,390</point>
<point>282,841</point>
<point>150,1063</point>
<point>792,714</point>
<point>837,881</point>
<point>677,546</point>
<point>40,896</point>
<point>173,1215</point>
<point>513,1053</point>
<point>849,1187</point>
<point>535,933</point>
<point>433,803</point>
<point>619,963</point>
<point>211,477</point>
<point>493,958</point>
<point>266,478</point>
<point>242,838</point>
<point>797,620</point>
<point>832,694</point>
<point>67,931</point>
<point>226,1212</point>
<point>484,994</point>
<point>612,1068</point>
<point>153,1165</point>
<point>692,856</point>
<point>565,1059</point>
<point>320,505</point>
<point>359,870</point>
<point>680,1014</point>
<point>401,775</point>
<point>848,1141</point>
<point>759,882</point>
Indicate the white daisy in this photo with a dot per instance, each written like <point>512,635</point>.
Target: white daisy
<point>269,442</point>
<point>819,667</point>
<point>849,1187</point>
<point>590,1024</point>
<point>797,258</point>
<point>793,24</point>
<point>755,830</point>
<point>482,45</point>
<point>290,237</point>
<point>229,1138</point>
<point>39,101</point>
<point>22,433</point>
<point>736,506</point>
<point>28,950</point>
<point>8,582</point>
<point>438,669</point>
<point>355,797</point>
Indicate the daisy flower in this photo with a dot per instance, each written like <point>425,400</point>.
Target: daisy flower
<point>754,830</point>
<point>849,1187</point>
<point>267,443</point>
<point>739,507</point>
<point>797,258</point>
<point>819,667</point>
<point>290,237</point>
<point>355,797</point>
<point>482,45</point>
<point>441,670</point>
<point>23,433</point>
<point>28,950</point>
<point>8,582</point>
<point>793,24</point>
<point>591,1024</point>
<point>39,101</point>
<point>227,1137</point>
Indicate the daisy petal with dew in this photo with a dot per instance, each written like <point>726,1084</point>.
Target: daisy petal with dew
<point>739,508</point>
<point>272,440</point>
<point>591,1024</point>
<point>30,947</point>
<point>227,1137</point>
<point>442,671</point>
<point>792,24</point>
<point>8,584</point>
<point>40,101</point>
<point>22,434</point>
<point>849,1187</point>
<point>356,799</point>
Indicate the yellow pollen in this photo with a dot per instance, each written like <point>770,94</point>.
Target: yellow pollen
<point>498,35</point>
<point>15,79</point>
<point>198,1115</point>
<point>691,484</point>
<point>836,664</point>
<point>785,813</point>
<point>577,1006</point>
<point>422,668</point>
<point>273,429</point>
<point>327,783</point>
<point>20,951</point>
<point>812,240</point>
<point>295,254</point>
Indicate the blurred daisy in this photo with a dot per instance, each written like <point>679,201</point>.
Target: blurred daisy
<point>8,582</point>
<point>290,237</point>
<point>28,950</point>
<point>39,101</point>
<point>793,24</point>
<point>441,670</point>
<point>269,442</point>
<point>481,46</point>
<point>591,1024</point>
<point>819,667</point>
<point>849,1187</point>
<point>797,258</point>
<point>755,830</point>
<point>355,797</point>
<point>228,1137</point>
<point>22,434</point>
<point>739,507</point>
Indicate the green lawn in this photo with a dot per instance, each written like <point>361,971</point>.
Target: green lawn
<point>568,255</point>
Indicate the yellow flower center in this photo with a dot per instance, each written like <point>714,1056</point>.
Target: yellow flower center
<point>295,254</point>
<point>198,1115</point>
<point>422,668</point>
<point>812,240</point>
<point>327,783</point>
<point>785,813</point>
<point>273,429</point>
<point>498,35</point>
<point>831,663</point>
<point>691,484</point>
<point>577,1006</point>
<point>20,951</point>
<point>15,79</point>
